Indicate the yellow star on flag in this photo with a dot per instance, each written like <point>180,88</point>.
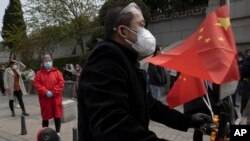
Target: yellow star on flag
<point>200,37</point>
<point>221,39</point>
<point>224,22</point>
<point>207,40</point>
<point>201,30</point>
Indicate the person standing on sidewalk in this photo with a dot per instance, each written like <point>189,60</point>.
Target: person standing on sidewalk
<point>30,78</point>
<point>157,78</point>
<point>77,73</point>
<point>49,84</point>
<point>13,84</point>
<point>1,79</point>
<point>245,76</point>
<point>113,104</point>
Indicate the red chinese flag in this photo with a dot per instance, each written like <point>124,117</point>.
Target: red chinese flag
<point>185,89</point>
<point>209,53</point>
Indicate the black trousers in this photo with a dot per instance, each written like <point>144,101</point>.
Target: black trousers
<point>245,94</point>
<point>19,97</point>
<point>2,88</point>
<point>238,91</point>
<point>45,123</point>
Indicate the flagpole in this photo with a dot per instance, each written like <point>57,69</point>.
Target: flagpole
<point>207,102</point>
<point>208,106</point>
<point>228,3</point>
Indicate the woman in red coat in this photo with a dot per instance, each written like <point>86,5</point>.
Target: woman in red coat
<point>49,84</point>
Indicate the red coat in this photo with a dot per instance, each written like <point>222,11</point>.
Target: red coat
<point>49,81</point>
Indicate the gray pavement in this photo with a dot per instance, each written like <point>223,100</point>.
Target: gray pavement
<point>10,127</point>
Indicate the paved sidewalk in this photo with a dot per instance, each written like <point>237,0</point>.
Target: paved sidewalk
<point>10,127</point>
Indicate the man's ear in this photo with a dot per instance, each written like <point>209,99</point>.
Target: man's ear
<point>123,32</point>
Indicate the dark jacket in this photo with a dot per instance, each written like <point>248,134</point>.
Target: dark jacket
<point>112,100</point>
<point>1,76</point>
<point>245,68</point>
<point>157,75</point>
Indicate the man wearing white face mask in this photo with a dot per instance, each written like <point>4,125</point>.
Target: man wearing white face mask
<point>14,86</point>
<point>49,84</point>
<point>112,101</point>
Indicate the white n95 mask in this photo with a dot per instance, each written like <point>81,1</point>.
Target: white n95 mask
<point>145,44</point>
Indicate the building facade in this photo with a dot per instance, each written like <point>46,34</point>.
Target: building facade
<point>170,29</point>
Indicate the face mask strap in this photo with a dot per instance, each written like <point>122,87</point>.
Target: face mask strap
<point>128,28</point>
<point>133,31</point>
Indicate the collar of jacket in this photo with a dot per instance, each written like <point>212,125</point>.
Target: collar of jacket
<point>52,69</point>
<point>9,70</point>
<point>132,56</point>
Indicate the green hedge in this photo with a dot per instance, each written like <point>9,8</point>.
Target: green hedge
<point>33,64</point>
<point>58,62</point>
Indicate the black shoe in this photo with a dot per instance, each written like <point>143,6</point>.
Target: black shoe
<point>25,114</point>
<point>13,114</point>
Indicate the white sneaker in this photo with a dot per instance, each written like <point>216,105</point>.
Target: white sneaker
<point>59,135</point>
<point>237,121</point>
<point>17,106</point>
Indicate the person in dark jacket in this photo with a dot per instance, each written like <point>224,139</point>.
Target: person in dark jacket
<point>157,78</point>
<point>1,79</point>
<point>112,100</point>
<point>245,79</point>
<point>239,86</point>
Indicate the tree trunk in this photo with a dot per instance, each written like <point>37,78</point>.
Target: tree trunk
<point>10,56</point>
<point>14,56</point>
<point>80,42</point>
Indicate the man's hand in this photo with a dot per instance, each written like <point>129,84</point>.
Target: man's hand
<point>199,119</point>
<point>49,94</point>
<point>15,61</point>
